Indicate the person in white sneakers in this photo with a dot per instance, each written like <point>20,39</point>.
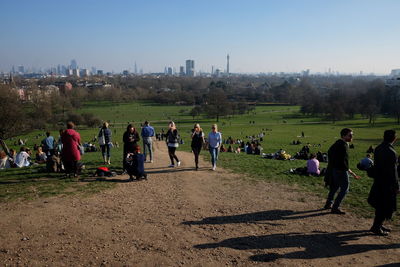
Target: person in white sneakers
<point>214,143</point>
<point>172,139</point>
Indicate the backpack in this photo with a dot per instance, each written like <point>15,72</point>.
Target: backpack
<point>102,139</point>
<point>104,172</point>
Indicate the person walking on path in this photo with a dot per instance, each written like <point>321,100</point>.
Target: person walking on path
<point>197,143</point>
<point>385,188</point>
<point>104,138</point>
<point>214,143</point>
<point>171,138</point>
<point>338,166</point>
<point>71,141</point>
<point>147,134</point>
<point>130,139</point>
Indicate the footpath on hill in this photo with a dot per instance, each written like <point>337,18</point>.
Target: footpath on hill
<point>180,216</point>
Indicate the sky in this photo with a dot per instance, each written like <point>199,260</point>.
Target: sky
<point>348,36</point>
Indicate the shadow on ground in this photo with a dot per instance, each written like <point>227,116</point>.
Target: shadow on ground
<point>258,217</point>
<point>315,245</point>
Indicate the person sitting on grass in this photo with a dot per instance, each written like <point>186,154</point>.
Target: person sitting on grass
<point>230,148</point>
<point>313,165</point>
<point>249,148</point>
<point>4,162</point>
<point>40,156</point>
<point>366,162</point>
<point>258,149</point>
<point>23,158</point>
<point>222,148</point>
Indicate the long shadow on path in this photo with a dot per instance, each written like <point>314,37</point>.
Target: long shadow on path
<point>310,246</point>
<point>256,217</point>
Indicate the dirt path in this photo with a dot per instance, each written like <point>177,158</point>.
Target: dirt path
<point>183,217</point>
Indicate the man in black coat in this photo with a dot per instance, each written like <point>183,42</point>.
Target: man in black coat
<point>385,188</point>
<point>338,165</point>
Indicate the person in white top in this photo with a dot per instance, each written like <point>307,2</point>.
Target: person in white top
<point>23,158</point>
<point>214,143</point>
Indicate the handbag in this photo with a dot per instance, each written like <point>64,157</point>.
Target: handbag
<point>102,139</point>
<point>81,149</point>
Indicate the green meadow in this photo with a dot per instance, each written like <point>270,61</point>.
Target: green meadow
<point>281,124</point>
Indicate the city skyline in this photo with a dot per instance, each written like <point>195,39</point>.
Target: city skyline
<point>259,36</point>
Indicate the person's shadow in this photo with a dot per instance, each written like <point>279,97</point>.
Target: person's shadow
<point>309,246</point>
<point>260,217</point>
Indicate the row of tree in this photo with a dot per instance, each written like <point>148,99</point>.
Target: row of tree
<point>345,101</point>
<point>330,97</point>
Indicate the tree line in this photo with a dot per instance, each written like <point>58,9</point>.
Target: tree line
<point>331,97</point>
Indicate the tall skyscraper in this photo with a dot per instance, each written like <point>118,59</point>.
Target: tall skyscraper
<point>227,64</point>
<point>181,71</point>
<point>74,65</point>
<point>136,68</point>
<point>190,67</point>
<point>21,69</point>
<point>170,71</point>
<point>76,72</point>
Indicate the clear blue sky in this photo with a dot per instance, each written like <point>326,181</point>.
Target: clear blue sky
<point>259,35</point>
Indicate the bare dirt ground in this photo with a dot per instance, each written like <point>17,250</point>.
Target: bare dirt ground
<point>183,217</point>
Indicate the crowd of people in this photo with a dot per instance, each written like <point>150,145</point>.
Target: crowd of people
<point>65,154</point>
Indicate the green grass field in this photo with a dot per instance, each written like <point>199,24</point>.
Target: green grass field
<point>282,125</point>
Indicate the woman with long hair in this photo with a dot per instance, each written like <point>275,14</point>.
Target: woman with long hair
<point>172,139</point>
<point>214,144</point>
<point>197,143</point>
<point>104,137</point>
<point>131,139</point>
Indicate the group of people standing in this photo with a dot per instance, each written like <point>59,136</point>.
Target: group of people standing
<point>131,138</point>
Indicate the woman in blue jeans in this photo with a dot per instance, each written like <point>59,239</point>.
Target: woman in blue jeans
<point>214,142</point>
<point>105,142</point>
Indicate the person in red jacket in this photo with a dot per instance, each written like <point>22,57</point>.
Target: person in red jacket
<point>71,141</point>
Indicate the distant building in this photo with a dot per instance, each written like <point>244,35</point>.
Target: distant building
<point>394,79</point>
<point>190,67</point>
<point>84,73</point>
<point>74,65</point>
<point>51,89</point>
<point>395,72</point>
<point>69,72</point>
<point>181,71</point>
<point>64,70</point>
<point>170,71</point>
<point>75,72</point>
<point>63,86</point>
<point>227,64</point>
<point>99,72</point>
<point>21,69</point>
<point>125,72</point>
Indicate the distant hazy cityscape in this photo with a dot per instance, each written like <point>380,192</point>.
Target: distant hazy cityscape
<point>73,69</point>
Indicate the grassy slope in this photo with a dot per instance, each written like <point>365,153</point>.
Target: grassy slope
<point>282,124</point>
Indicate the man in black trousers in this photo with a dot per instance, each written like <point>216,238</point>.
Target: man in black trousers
<point>385,188</point>
<point>338,165</point>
